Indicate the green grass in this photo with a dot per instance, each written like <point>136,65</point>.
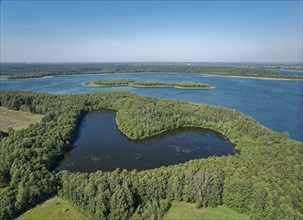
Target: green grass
<point>17,119</point>
<point>183,210</point>
<point>55,208</point>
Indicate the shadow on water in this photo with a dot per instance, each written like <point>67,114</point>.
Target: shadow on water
<point>99,145</point>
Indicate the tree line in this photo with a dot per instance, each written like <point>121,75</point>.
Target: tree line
<point>132,82</point>
<point>20,70</point>
<point>110,82</point>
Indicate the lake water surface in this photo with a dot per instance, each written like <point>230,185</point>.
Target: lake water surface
<point>291,72</point>
<point>101,146</point>
<point>276,104</point>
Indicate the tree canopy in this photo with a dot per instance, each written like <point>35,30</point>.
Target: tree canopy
<point>263,180</point>
<point>132,82</point>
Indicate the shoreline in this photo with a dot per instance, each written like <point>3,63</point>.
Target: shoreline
<point>289,70</point>
<point>27,78</point>
<point>206,74</point>
<point>210,87</point>
<point>176,87</point>
<point>142,86</point>
<point>91,84</point>
<point>253,77</point>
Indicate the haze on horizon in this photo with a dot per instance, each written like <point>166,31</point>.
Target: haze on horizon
<point>133,31</point>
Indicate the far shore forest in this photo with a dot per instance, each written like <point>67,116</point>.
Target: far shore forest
<point>23,70</point>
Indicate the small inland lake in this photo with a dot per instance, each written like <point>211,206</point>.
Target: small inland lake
<point>99,145</point>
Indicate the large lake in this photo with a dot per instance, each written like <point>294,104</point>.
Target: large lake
<point>276,104</point>
<point>101,146</point>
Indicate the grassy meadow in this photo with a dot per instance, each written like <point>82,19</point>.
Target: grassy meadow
<point>17,119</point>
<point>183,210</point>
<point>55,208</point>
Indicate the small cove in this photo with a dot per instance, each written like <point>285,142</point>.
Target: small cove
<point>101,146</point>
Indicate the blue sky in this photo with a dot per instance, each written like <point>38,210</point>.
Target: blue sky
<point>121,31</point>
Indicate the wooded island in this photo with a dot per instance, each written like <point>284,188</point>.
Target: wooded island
<point>131,82</point>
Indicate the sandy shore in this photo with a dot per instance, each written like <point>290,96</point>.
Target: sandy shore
<point>43,77</point>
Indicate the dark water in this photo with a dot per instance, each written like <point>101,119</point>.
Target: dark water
<point>101,146</point>
<point>276,104</point>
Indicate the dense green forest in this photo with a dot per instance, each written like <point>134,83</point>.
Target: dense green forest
<point>23,70</point>
<point>172,84</point>
<point>110,82</point>
<point>264,180</point>
<point>131,82</point>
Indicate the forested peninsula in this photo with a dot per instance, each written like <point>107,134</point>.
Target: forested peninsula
<point>131,82</point>
<point>23,70</point>
<point>264,180</point>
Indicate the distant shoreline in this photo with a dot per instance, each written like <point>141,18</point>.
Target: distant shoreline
<point>252,77</point>
<point>27,78</point>
<point>288,70</point>
<point>208,74</point>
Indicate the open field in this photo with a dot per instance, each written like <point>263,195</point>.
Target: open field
<point>183,210</point>
<point>55,208</point>
<point>17,119</point>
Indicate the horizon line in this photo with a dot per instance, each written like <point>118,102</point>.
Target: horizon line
<point>188,62</point>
